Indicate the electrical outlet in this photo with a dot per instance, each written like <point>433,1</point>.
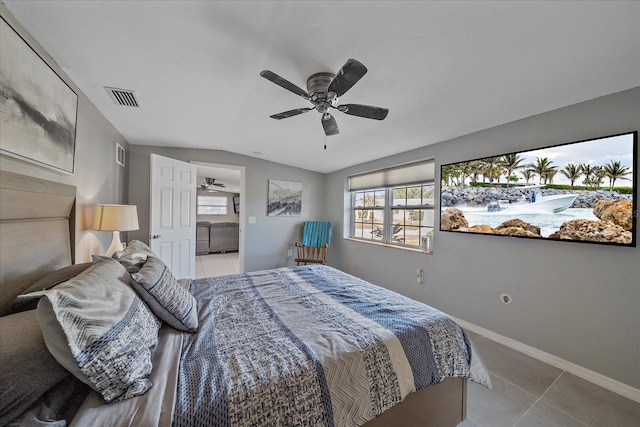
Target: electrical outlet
<point>289,252</point>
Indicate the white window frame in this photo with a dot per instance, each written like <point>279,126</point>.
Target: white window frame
<point>391,179</point>
<point>215,207</point>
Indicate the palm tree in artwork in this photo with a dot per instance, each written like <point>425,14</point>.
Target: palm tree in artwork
<point>592,175</point>
<point>613,171</point>
<point>490,167</point>
<point>544,168</point>
<point>511,162</point>
<point>476,170</point>
<point>447,171</point>
<point>572,172</point>
<point>528,174</point>
<point>549,175</point>
<point>465,170</point>
<point>587,170</point>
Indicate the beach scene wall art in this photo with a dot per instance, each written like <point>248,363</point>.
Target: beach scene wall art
<point>581,191</point>
<point>37,108</point>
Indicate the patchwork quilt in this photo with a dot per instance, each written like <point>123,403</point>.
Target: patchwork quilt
<point>311,346</point>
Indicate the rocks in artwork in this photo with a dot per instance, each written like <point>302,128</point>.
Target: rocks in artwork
<point>614,226</point>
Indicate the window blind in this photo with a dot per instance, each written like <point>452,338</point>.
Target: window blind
<point>422,172</point>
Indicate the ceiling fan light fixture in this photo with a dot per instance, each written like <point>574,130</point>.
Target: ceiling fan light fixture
<point>322,107</point>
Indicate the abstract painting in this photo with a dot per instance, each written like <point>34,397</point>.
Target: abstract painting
<point>285,198</point>
<point>37,108</point>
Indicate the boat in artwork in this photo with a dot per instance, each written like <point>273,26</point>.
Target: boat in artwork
<point>535,202</point>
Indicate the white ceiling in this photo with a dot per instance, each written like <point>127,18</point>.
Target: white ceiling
<point>227,175</point>
<point>443,69</point>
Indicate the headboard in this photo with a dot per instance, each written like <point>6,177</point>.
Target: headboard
<point>36,232</point>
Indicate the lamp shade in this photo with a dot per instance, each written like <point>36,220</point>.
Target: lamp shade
<point>115,218</point>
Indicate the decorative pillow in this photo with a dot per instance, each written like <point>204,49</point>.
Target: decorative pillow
<point>134,255</point>
<point>167,299</point>
<point>47,282</point>
<point>28,369</point>
<point>110,333</point>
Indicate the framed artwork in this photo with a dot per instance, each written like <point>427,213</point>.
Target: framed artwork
<point>120,155</point>
<point>285,198</point>
<point>38,124</point>
<point>581,191</point>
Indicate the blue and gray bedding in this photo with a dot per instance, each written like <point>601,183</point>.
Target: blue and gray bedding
<point>311,346</point>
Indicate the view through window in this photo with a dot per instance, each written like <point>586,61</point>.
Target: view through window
<point>399,214</point>
<point>212,205</point>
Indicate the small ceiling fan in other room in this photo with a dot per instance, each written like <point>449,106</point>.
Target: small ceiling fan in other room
<point>324,90</point>
<point>210,185</point>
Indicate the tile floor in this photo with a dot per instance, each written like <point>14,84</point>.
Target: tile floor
<point>529,393</point>
<point>526,392</point>
<point>217,264</point>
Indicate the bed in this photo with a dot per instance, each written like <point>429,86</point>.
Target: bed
<point>307,345</point>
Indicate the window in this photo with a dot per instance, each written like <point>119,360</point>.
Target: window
<point>397,212</point>
<point>212,205</point>
<point>412,213</point>
<point>368,213</point>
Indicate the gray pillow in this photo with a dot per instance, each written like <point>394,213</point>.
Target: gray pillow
<point>47,282</point>
<point>134,255</point>
<point>167,299</point>
<point>28,369</point>
<point>110,333</point>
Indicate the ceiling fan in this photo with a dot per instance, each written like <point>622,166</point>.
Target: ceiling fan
<point>323,91</point>
<point>210,185</point>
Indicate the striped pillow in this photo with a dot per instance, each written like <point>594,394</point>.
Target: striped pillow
<point>165,297</point>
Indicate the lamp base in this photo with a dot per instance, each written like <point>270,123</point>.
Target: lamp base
<point>116,244</point>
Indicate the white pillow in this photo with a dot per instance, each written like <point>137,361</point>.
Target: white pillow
<point>110,333</point>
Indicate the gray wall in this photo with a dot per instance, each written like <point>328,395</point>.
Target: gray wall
<point>97,176</point>
<point>266,242</point>
<point>579,302</point>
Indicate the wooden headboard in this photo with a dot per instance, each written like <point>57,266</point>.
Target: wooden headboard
<point>36,232</point>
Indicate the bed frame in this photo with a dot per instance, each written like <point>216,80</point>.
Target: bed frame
<point>36,238</point>
<point>439,405</point>
<point>36,232</point>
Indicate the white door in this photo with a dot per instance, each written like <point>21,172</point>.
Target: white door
<point>172,220</point>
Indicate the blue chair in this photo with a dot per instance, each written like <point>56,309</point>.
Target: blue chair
<point>316,238</point>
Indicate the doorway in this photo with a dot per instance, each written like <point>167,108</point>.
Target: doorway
<point>220,183</point>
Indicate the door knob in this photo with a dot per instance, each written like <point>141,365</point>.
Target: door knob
<point>156,236</point>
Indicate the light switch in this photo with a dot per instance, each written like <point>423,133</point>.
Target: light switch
<point>252,220</point>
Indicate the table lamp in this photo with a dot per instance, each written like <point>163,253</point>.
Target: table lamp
<point>115,218</point>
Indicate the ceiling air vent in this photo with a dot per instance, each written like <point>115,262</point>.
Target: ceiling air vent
<point>123,97</point>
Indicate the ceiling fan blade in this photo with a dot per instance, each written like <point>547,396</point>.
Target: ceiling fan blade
<point>349,74</point>
<point>273,77</point>
<point>290,113</point>
<point>366,111</point>
<point>329,124</point>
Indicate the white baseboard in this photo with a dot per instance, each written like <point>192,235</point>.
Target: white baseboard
<point>579,371</point>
